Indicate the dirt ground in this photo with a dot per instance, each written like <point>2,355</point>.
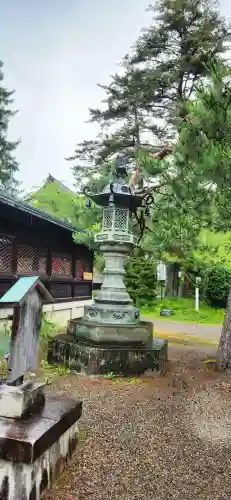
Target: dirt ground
<point>155,438</point>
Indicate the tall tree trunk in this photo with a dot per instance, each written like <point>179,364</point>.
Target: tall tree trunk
<point>181,288</point>
<point>176,269</point>
<point>224,348</point>
<point>170,280</point>
<point>137,128</point>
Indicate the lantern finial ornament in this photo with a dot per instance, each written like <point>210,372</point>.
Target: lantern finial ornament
<point>121,170</point>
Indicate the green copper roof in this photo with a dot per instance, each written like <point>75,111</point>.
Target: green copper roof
<point>36,212</point>
<point>18,291</point>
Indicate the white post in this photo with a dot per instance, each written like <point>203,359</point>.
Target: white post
<point>161,278</point>
<point>197,307</point>
<point>197,294</point>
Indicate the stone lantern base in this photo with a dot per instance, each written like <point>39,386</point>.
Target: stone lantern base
<point>109,349</point>
<point>140,332</point>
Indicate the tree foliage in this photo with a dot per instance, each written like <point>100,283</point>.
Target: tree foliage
<point>175,50</point>
<point>195,194</point>
<point>52,199</point>
<point>8,163</point>
<point>213,248</point>
<point>204,154</point>
<point>217,284</point>
<point>176,217</point>
<point>141,278</point>
<point>204,149</point>
<point>70,208</point>
<point>65,205</point>
<point>146,101</point>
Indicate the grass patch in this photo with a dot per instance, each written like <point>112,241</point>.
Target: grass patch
<point>184,311</point>
<point>4,340</point>
<point>48,373</point>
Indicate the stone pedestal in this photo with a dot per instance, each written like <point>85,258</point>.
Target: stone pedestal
<point>125,359</point>
<point>95,349</point>
<point>35,450</point>
<point>139,333</point>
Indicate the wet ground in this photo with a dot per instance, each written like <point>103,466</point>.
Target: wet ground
<point>154,438</point>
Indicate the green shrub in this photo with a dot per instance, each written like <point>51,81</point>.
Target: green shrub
<point>217,283</point>
<point>47,327</point>
<point>140,279</point>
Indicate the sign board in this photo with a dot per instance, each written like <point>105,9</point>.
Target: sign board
<point>25,337</point>
<point>87,276</point>
<point>161,272</point>
<point>26,296</point>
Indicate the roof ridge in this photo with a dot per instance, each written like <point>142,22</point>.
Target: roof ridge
<point>51,178</point>
<point>26,207</point>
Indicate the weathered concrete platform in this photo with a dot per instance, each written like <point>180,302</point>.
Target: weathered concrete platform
<point>35,450</point>
<point>98,359</point>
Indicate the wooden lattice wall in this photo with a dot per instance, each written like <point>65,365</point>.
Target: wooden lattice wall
<point>62,271</point>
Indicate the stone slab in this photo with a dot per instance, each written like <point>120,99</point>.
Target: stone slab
<point>95,359</point>
<point>24,441</point>
<point>139,333</point>
<point>16,401</point>
<point>27,481</point>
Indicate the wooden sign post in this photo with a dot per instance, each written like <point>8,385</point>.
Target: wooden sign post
<point>38,435</point>
<point>26,298</point>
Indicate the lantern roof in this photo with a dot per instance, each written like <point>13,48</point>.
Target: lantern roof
<point>117,192</point>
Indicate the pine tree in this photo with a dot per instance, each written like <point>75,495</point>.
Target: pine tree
<point>125,126</point>
<point>8,163</point>
<point>145,104</point>
<point>204,148</point>
<point>203,152</point>
<point>175,51</point>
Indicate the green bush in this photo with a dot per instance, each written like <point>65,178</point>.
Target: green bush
<point>217,283</point>
<point>47,328</point>
<point>140,279</point>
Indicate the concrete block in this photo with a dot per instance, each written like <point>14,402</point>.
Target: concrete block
<point>16,401</point>
<point>34,451</point>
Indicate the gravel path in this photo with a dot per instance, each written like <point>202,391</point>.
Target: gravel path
<point>209,332</point>
<point>160,438</point>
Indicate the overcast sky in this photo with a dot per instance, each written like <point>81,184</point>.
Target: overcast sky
<point>54,53</point>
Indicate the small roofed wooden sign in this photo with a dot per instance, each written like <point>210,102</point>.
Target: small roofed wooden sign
<point>26,297</point>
